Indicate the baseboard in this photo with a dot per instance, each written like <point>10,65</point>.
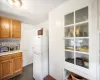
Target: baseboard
<point>27,64</point>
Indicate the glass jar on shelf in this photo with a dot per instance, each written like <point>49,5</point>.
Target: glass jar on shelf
<point>69,44</point>
<point>82,45</point>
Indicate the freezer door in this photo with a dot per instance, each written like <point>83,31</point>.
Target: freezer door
<point>38,44</point>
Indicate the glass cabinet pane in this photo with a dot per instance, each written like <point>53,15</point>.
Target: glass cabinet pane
<point>82,30</point>
<point>81,15</point>
<point>77,37</point>
<point>69,19</point>
<point>69,44</point>
<point>69,31</point>
<point>82,60</point>
<point>82,45</point>
<point>69,57</point>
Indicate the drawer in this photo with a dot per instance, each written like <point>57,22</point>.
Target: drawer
<point>19,54</point>
<point>5,57</point>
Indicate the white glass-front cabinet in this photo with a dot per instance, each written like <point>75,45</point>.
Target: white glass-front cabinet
<point>81,43</point>
<point>77,39</point>
<point>73,37</point>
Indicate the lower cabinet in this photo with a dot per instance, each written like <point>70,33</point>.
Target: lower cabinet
<point>10,65</point>
<point>6,68</point>
<point>17,65</point>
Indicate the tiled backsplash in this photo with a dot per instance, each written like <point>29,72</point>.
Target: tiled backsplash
<point>10,44</point>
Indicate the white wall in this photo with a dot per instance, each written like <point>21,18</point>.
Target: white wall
<point>99,39</point>
<point>28,32</point>
<point>27,38</point>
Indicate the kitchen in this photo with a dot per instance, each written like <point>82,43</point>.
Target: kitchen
<point>15,45</point>
<point>49,39</point>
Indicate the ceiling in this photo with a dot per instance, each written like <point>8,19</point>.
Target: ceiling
<point>31,11</point>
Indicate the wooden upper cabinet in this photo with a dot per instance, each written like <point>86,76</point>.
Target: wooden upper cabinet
<point>5,25</point>
<point>16,29</point>
<point>10,28</point>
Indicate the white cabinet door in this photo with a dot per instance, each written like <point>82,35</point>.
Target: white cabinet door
<point>37,67</point>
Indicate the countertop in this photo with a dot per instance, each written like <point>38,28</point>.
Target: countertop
<point>10,52</point>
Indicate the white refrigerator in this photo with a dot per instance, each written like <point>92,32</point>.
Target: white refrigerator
<point>40,57</point>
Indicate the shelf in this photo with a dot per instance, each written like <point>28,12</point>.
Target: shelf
<point>69,64</point>
<point>71,25</point>
<point>69,37</point>
<point>87,76</point>
<point>68,73</point>
<point>82,52</point>
<point>75,67</point>
<point>76,37</point>
<point>69,50</point>
<point>79,23</point>
<point>77,52</point>
<point>82,37</point>
<point>83,22</point>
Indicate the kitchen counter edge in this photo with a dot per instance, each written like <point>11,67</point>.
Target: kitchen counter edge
<point>11,52</point>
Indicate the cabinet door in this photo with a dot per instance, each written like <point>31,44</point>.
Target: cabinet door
<point>5,25</point>
<point>6,68</point>
<point>17,64</point>
<point>16,29</point>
